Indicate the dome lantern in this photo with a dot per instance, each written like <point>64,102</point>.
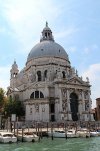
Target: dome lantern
<point>47,34</point>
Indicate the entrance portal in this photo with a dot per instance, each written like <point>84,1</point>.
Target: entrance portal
<point>74,106</point>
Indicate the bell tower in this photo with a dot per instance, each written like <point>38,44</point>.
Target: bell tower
<point>13,74</point>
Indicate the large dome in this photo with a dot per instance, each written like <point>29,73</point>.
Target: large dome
<point>47,47</point>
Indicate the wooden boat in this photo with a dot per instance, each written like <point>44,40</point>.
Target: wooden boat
<point>71,133</point>
<point>7,137</point>
<point>83,133</point>
<point>61,133</point>
<point>57,133</point>
<point>28,137</point>
<point>94,133</point>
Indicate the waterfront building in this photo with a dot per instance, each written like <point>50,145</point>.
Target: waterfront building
<point>49,86</point>
<point>97,109</point>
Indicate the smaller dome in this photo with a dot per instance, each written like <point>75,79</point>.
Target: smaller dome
<point>14,66</point>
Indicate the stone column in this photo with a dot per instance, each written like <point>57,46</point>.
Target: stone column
<point>68,104</point>
<point>36,77</point>
<point>42,76</point>
<point>89,101</point>
<point>48,76</point>
<point>83,102</point>
<point>83,107</point>
<point>91,118</point>
<point>80,109</point>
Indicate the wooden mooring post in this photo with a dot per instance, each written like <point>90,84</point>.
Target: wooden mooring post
<point>41,134</point>
<point>36,128</point>
<point>52,131</point>
<point>39,131</point>
<point>14,127</point>
<point>17,132</point>
<point>47,129</point>
<point>22,133</point>
<point>65,131</point>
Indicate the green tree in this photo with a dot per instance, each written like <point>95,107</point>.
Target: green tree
<point>14,107</point>
<point>3,99</point>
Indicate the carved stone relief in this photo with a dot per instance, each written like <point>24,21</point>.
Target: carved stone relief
<point>64,105</point>
<point>37,107</point>
<point>80,94</point>
<point>64,93</point>
<point>86,94</point>
<point>86,105</point>
<point>64,100</point>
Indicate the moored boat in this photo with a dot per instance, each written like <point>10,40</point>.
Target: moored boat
<point>62,134</point>
<point>57,133</point>
<point>71,133</point>
<point>94,133</point>
<point>83,133</point>
<point>7,137</point>
<point>27,137</point>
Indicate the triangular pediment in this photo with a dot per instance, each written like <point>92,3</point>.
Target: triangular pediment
<point>10,90</point>
<point>76,80</point>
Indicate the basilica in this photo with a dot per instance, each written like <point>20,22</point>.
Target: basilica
<point>49,86</point>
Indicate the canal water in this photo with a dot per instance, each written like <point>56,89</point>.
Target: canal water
<point>58,144</point>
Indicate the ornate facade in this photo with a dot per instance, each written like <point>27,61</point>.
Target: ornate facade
<point>49,87</point>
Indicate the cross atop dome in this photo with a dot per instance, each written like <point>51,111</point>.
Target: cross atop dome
<point>46,24</point>
<point>47,34</point>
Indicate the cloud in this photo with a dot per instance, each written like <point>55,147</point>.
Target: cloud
<point>93,72</point>
<point>72,49</point>
<point>89,49</point>
<point>66,32</point>
<point>4,77</point>
<point>25,17</point>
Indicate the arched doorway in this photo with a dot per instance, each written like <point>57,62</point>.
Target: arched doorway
<point>74,106</point>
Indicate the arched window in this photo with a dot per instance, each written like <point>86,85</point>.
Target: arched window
<point>41,95</point>
<point>14,75</point>
<point>32,96</point>
<point>45,74</point>
<point>46,35</point>
<point>39,75</point>
<point>36,95</point>
<point>63,73</point>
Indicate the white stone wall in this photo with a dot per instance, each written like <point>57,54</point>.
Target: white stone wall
<point>27,83</point>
